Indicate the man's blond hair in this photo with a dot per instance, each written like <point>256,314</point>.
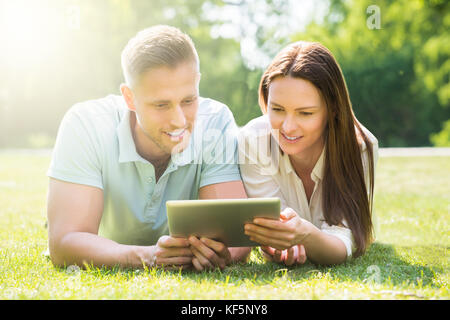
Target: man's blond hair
<point>155,47</point>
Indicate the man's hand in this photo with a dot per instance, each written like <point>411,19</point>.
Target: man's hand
<point>172,253</point>
<point>209,254</point>
<point>291,256</point>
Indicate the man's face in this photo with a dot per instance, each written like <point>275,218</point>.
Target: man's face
<point>165,100</point>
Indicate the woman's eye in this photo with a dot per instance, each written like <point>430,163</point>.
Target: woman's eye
<point>306,113</point>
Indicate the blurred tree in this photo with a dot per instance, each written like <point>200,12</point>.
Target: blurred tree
<point>59,52</point>
<point>398,74</point>
<point>84,60</point>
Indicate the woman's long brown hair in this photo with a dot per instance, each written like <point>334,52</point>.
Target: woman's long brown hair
<point>344,190</point>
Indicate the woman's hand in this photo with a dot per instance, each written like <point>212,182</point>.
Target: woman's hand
<point>293,255</point>
<point>283,234</point>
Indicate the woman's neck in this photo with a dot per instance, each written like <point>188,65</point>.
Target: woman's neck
<point>305,161</point>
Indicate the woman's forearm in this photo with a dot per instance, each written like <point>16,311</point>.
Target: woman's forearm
<point>322,248</point>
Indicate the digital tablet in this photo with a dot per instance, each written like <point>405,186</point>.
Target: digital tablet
<point>219,219</point>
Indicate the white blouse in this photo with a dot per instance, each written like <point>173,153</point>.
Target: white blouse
<point>266,172</point>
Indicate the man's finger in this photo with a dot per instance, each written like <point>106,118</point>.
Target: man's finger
<point>173,252</point>
<point>197,265</point>
<point>170,242</point>
<point>205,251</point>
<point>202,259</point>
<point>173,261</point>
<point>218,247</point>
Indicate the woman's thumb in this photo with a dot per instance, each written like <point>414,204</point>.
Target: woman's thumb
<point>287,214</point>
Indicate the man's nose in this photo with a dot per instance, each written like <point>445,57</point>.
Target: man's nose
<point>178,119</point>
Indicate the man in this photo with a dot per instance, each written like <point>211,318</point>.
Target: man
<point>117,160</point>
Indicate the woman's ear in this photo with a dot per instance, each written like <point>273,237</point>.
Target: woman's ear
<point>128,96</point>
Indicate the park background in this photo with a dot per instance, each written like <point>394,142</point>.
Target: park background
<point>394,55</point>
<point>395,58</point>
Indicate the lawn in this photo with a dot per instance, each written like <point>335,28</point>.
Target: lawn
<point>409,260</point>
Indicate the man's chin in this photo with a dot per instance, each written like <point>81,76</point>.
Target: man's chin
<point>179,147</point>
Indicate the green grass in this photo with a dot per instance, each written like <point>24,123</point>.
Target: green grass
<point>410,259</point>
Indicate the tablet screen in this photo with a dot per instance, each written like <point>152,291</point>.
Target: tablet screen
<point>219,219</point>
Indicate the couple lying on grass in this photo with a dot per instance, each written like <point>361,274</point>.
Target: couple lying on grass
<point>117,160</point>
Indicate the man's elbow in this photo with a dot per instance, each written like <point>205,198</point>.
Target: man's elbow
<point>58,250</point>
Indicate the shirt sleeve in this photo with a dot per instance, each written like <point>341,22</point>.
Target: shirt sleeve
<point>342,233</point>
<point>74,157</point>
<point>219,150</point>
<point>365,157</point>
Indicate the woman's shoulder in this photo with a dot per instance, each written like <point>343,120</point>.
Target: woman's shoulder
<point>254,138</point>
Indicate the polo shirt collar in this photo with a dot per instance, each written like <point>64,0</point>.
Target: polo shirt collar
<point>127,147</point>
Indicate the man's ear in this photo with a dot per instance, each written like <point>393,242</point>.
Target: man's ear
<point>128,96</point>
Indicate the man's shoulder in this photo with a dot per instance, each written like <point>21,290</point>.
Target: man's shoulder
<point>213,114</point>
<point>110,105</point>
<point>210,108</point>
<point>256,127</point>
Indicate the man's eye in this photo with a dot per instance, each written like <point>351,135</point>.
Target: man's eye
<point>189,101</point>
<point>163,105</point>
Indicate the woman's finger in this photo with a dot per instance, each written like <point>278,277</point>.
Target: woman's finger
<point>290,256</point>
<point>267,252</point>
<point>301,254</point>
<point>252,230</point>
<point>277,256</point>
<point>270,224</point>
<point>274,243</point>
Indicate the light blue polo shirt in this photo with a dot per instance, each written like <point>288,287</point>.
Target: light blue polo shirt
<point>95,147</point>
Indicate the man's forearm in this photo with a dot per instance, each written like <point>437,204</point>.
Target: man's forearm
<point>81,247</point>
<point>239,253</point>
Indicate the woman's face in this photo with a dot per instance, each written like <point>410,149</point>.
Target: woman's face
<point>297,114</point>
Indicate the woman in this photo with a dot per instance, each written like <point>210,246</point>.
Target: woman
<point>309,150</point>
